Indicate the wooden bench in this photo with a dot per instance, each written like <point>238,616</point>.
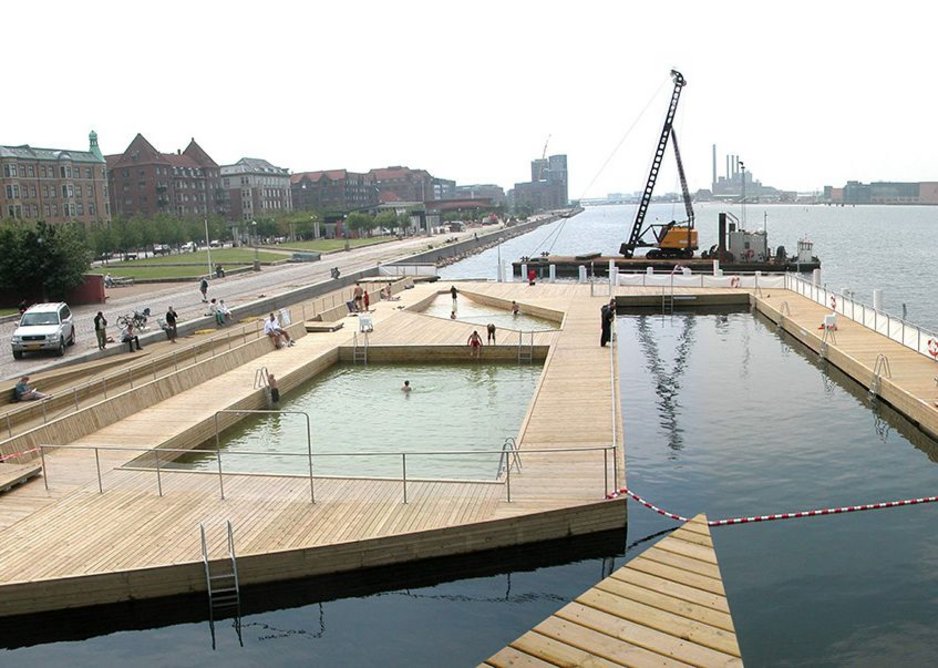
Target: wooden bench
<point>322,326</point>
<point>16,474</point>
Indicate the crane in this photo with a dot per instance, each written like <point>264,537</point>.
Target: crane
<point>544,152</point>
<point>671,239</point>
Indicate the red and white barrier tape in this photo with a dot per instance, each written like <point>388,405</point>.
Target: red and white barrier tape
<point>3,458</point>
<point>779,516</point>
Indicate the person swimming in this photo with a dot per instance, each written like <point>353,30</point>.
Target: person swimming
<point>406,387</point>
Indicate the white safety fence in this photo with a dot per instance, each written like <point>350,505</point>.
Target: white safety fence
<point>690,280</point>
<point>407,270</point>
<point>912,336</point>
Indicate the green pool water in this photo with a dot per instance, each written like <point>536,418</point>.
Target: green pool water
<point>480,314</point>
<point>357,409</point>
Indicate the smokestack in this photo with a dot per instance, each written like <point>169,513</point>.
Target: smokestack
<point>728,158</point>
<point>714,182</point>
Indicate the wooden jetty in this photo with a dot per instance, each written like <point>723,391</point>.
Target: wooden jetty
<point>666,607</point>
<point>133,531</point>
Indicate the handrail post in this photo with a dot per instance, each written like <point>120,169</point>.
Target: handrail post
<point>42,405</point>
<point>75,396</point>
<point>508,483</point>
<point>9,426</point>
<point>605,471</point>
<point>159,479</point>
<point>45,473</point>
<point>130,374</point>
<point>309,454</point>
<point>175,362</point>
<point>97,463</point>
<point>221,481</point>
<point>104,380</point>
<point>404,473</point>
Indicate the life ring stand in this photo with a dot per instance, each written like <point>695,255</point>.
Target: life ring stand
<point>933,348</point>
<point>734,282</point>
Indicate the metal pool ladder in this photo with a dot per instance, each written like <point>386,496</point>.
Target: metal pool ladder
<point>879,368</point>
<point>224,591</point>
<point>510,456</point>
<point>360,350</point>
<point>525,351</point>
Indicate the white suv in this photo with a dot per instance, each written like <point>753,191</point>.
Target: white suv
<point>44,327</point>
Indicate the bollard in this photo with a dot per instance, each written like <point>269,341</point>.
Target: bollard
<point>581,274</point>
<point>552,273</point>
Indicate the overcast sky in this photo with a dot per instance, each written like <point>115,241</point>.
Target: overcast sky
<point>807,93</point>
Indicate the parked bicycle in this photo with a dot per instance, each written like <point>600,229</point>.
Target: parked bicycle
<point>138,319</point>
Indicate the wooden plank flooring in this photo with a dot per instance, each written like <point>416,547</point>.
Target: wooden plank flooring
<point>54,538</point>
<point>17,474</point>
<point>675,616</point>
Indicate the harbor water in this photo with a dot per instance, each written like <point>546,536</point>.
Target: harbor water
<point>723,415</point>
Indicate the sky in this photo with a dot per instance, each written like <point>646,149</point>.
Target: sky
<point>808,94</point>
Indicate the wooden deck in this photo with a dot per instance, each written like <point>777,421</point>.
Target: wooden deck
<point>667,607</point>
<point>72,546</point>
<point>17,474</point>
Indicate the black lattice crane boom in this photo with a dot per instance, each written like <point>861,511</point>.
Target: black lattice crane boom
<point>671,239</point>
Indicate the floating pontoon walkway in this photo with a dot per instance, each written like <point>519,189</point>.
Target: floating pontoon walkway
<point>134,534</point>
<point>666,607</point>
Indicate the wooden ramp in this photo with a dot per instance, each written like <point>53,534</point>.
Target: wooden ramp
<point>666,607</point>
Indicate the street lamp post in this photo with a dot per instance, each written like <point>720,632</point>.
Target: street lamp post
<point>257,259</point>
<point>208,248</point>
<point>742,168</point>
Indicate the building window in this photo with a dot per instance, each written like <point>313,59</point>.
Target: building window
<point>9,170</point>
<point>91,210</point>
<point>13,191</point>
<point>80,208</point>
<point>47,209</point>
<point>77,191</point>
<point>30,171</point>
<point>65,171</point>
<point>88,173</point>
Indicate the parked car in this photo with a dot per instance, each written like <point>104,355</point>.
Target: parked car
<point>44,327</point>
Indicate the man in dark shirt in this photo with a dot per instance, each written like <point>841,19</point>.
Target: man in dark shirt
<point>100,330</point>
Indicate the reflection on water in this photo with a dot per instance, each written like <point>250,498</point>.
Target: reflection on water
<point>766,428</point>
<point>361,409</point>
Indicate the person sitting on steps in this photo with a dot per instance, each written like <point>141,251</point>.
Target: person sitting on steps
<point>276,333</point>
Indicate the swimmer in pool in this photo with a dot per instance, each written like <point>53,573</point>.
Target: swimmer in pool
<point>405,388</point>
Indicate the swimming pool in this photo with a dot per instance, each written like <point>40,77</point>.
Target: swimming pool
<point>481,314</point>
<point>460,407</point>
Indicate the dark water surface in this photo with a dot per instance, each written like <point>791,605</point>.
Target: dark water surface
<point>723,416</point>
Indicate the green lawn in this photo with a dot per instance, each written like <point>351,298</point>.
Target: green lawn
<point>223,256</point>
<point>8,311</point>
<point>128,270</point>
<point>324,245</point>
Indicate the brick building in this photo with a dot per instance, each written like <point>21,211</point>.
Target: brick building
<point>54,185</point>
<point>255,188</point>
<point>490,191</point>
<point>333,191</point>
<point>403,184</point>
<point>144,182</point>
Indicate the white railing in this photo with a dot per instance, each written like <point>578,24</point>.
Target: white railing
<point>912,336</point>
<point>162,468</point>
<point>754,280</point>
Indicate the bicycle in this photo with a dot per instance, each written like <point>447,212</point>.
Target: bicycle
<point>138,319</point>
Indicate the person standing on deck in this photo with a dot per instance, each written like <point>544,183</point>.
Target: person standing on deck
<point>453,292</point>
<point>171,330</point>
<point>203,288</point>
<point>490,328</point>
<point>100,330</point>
<point>357,296</point>
<point>608,315</point>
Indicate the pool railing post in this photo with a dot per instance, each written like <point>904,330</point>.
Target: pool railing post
<point>42,459</point>
<point>404,473</point>
<point>309,454</point>
<point>105,387</point>
<point>159,479</point>
<point>221,481</point>
<point>508,482</point>
<point>97,464</point>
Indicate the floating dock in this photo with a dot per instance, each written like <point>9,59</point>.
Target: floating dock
<point>598,265</point>
<point>665,607</point>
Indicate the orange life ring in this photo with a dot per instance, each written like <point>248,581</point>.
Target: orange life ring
<point>933,348</point>
<point>833,302</point>
<point>734,282</point>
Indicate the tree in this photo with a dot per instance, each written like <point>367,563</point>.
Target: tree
<point>359,222</point>
<point>52,258</point>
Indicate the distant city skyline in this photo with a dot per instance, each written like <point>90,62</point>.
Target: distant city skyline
<point>356,88</point>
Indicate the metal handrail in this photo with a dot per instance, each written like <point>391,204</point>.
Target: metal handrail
<point>847,306</point>
<point>403,455</point>
<point>510,455</point>
<point>260,378</point>
<point>26,411</point>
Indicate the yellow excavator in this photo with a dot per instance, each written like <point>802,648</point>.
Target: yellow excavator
<point>674,239</point>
